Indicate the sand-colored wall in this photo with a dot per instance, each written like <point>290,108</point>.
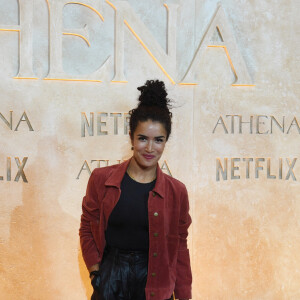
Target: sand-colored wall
<point>223,63</point>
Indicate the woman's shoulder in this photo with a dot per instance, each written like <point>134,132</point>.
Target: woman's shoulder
<point>103,172</point>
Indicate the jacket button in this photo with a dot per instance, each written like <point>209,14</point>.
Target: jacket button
<point>153,274</point>
<point>152,294</point>
<point>153,194</point>
<point>155,234</point>
<point>155,214</point>
<point>154,254</point>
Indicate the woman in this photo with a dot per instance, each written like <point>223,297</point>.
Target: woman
<point>135,218</point>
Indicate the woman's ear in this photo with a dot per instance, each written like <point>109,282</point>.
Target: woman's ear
<point>131,140</point>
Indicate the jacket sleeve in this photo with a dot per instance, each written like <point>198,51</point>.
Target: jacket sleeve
<point>183,284</point>
<point>89,219</point>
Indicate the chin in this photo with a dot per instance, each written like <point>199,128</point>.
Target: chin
<point>147,164</point>
<point>143,162</point>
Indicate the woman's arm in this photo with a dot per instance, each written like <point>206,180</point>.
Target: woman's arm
<point>90,215</point>
<point>183,284</point>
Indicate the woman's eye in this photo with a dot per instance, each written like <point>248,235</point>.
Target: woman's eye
<point>159,140</point>
<point>141,138</point>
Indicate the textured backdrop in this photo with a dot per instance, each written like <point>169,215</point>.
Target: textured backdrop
<point>69,74</point>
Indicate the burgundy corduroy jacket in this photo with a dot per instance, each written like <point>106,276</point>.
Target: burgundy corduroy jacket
<point>168,212</point>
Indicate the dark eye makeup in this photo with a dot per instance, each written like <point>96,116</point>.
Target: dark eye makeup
<point>159,139</point>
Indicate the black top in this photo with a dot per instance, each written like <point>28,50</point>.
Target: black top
<point>128,226</point>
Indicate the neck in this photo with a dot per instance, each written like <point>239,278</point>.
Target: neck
<point>139,173</point>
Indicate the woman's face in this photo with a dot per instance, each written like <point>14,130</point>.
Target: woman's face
<point>148,141</point>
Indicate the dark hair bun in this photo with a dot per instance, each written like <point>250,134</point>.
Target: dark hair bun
<point>153,93</point>
<point>153,105</point>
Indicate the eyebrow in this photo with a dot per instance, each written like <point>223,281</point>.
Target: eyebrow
<point>161,136</point>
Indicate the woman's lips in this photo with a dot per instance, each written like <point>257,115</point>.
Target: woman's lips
<point>148,156</point>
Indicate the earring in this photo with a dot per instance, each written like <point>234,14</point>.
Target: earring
<point>132,148</point>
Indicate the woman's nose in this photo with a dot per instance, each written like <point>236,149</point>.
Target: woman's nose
<point>149,146</point>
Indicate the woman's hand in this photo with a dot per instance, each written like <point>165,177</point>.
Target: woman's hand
<point>95,280</point>
<point>93,268</point>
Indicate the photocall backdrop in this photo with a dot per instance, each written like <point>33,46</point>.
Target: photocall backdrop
<point>69,72</point>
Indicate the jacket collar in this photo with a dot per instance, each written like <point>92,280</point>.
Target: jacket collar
<point>118,173</point>
<point>160,182</point>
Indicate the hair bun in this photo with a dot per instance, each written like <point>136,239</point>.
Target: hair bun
<point>153,93</point>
